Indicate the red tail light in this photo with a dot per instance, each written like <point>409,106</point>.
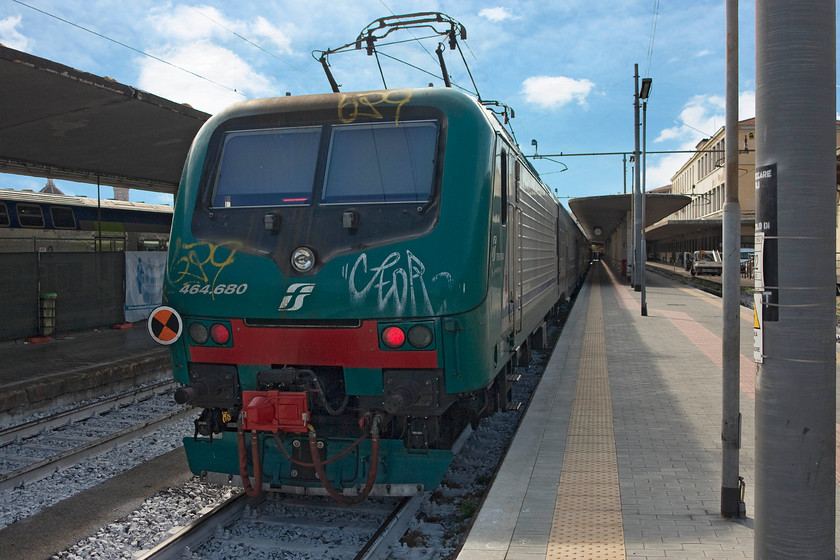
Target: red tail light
<point>220,334</point>
<point>393,337</point>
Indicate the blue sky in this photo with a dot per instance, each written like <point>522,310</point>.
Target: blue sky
<point>566,67</point>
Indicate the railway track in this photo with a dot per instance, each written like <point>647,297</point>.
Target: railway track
<point>434,522</point>
<point>276,526</point>
<point>36,449</point>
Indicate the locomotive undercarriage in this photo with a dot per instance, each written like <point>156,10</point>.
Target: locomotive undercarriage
<point>414,408</point>
<point>303,418</point>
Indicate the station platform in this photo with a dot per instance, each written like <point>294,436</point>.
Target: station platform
<point>618,455</point>
<point>76,366</point>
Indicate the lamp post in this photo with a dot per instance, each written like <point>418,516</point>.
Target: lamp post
<point>643,95</point>
<point>631,227</point>
<point>638,203</point>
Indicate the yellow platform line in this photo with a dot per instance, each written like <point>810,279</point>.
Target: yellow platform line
<point>587,517</point>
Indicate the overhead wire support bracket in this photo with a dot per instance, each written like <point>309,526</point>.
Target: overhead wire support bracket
<point>506,110</point>
<point>326,65</point>
<point>446,81</point>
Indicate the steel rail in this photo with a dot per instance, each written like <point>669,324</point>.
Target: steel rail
<point>200,530</point>
<point>44,468</point>
<point>33,427</point>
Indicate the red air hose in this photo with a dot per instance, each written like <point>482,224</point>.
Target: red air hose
<point>255,458</point>
<point>372,470</point>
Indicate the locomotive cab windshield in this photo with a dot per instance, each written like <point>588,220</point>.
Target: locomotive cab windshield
<point>345,184</point>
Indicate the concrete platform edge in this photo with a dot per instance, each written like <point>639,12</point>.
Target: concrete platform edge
<point>26,398</point>
<point>493,532</point>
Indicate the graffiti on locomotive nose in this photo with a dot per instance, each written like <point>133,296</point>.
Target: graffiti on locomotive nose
<point>197,267</point>
<point>396,283</point>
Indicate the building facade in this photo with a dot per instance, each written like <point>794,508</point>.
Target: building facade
<point>699,226</point>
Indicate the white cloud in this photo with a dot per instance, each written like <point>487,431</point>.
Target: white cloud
<point>660,169</point>
<point>556,91</point>
<point>746,105</point>
<point>703,115</point>
<point>213,63</point>
<point>10,36</point>
<point>700,118</point>
<point>184,23</point>
<point>263,28</point>
<point>202,40</point>
<point>187,23</point>
<point>495,14</point>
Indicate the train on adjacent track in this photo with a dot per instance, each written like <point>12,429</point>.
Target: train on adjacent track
<point>352,278</point>
<point>36,221</point>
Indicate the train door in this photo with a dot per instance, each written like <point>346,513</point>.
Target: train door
<point>512,295</point>
<point>516,261</point>
<point>507,234</point>
<point>561,256</point>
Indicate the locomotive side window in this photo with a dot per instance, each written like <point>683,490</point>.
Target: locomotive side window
<point>30,216</point>
<point>63,217</point>
<point>378,163</point>
<point>272,167</point>
<point>4,215</point>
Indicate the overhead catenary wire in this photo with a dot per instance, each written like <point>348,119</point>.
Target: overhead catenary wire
<point>250,42</point>
<point>144,53</point>
<point>433,75</point>
<point>652,35</point>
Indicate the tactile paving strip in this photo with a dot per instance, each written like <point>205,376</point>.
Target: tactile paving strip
<point>587,518</point>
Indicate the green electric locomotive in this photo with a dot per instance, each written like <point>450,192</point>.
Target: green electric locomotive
<point>351,279</point>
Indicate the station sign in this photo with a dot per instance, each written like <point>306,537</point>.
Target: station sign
<point>758,334</point>
<point>766,296</point>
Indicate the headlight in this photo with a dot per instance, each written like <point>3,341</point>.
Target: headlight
<point>303,258</point>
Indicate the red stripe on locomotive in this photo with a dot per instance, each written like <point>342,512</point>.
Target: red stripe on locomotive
<point>358,347</point>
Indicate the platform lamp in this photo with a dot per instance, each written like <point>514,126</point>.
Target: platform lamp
<point>644,92</point>
<point>637,189</point>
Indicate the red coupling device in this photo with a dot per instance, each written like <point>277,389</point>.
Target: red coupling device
<point>274,411</point>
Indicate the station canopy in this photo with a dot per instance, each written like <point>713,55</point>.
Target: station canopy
<point>603,214</point>
<point>62,123</point>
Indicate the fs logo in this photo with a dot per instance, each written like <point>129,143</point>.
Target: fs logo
<point>296,292</point>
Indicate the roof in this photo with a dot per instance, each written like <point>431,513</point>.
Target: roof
<point>607,212</point>
<point>50,188</point>
<point>59,122</point>
<point>695,229</point>
<point>76,201</point>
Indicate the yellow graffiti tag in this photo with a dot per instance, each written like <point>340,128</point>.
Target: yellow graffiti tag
<point>202,262</point>
<point>351,107</point>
